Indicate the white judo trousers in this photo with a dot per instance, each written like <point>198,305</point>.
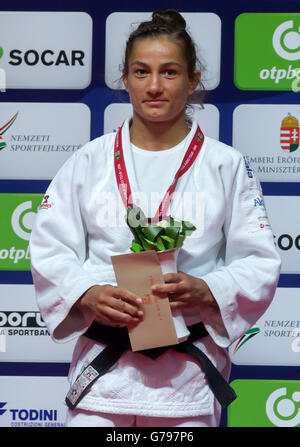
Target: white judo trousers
<point>232,250</point>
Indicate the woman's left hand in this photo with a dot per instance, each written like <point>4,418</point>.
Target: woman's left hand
<point>184,290</point>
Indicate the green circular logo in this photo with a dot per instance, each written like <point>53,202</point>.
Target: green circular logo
<point>1,52</point>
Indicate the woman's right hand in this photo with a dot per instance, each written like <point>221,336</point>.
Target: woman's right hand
<point>112,305</point>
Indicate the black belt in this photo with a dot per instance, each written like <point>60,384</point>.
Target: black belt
<point>117,341</point>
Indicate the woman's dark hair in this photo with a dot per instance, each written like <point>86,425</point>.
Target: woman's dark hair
<point>165,23</point>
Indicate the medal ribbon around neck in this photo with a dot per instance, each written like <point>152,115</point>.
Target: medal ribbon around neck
<point>123,180</point>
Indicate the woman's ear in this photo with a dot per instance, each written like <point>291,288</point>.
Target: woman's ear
<point>125,81</point>
<point>194,81</point>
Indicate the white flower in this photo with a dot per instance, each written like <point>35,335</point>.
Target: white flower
<point>163,223</point>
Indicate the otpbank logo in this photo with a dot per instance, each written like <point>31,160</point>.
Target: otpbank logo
<point>270,59</point>
<point>265,403</point>
<point>59,59</point>
<point>18,213</point>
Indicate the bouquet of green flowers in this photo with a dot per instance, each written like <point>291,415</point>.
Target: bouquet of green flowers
<point>159,236</point>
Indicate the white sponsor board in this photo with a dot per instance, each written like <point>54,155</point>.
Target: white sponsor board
<point>24,335</point>
<point>39,137</point>
<point>33,401</point>
<point>46,50</point>
<point>208,118</point>
<point>275,336</point>
<point>205,29</point>
<point>285,223</point>
<point>268,135</point>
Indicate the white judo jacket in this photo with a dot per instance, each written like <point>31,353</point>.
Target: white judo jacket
<point>80,225</point>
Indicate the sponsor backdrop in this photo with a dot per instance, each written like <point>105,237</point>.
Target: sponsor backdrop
<point>60,86</point>
<point>34,402</point>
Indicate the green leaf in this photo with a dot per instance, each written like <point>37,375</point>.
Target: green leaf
<point>150,236</point>
<point>140,235</point>
<point>187,228</point>
<point>136,247</point>
<point>179,240</point>
<point>170,242</point>
<point>160,244</point>
<point>172,232</point>
<point>148,245</point>
<point>152,231</point>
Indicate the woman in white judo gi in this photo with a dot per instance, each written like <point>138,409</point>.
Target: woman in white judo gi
<point>227,270</point>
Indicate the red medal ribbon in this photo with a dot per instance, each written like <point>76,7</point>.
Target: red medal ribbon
<point>122,177</point>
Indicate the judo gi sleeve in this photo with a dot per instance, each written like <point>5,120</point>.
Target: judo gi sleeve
<point>246,283</point>
<point>58,251</point>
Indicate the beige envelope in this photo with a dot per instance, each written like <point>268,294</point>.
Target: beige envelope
<point>137,272</point>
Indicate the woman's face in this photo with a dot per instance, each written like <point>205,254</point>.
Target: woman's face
<point>157,80</point>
